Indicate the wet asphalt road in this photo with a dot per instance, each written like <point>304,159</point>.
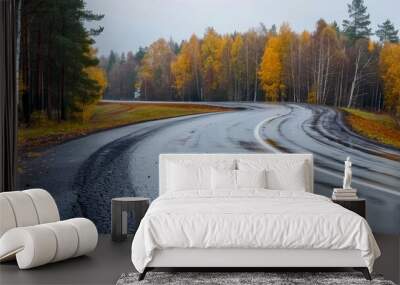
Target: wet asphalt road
<point>84,174</point>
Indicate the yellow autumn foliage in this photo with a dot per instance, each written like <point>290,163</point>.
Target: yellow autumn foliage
<point>305,38</point>
<point>185,67</point>
<point>371,46</point>
<point>85,105</point>
<point>181,70</point>
<point>98,74</point>
<point>271,71</point>
<point>237,63</point>
<point>210,53</point>
<point>312,96</point>
<point>390,74</point>
<point>155,70</point>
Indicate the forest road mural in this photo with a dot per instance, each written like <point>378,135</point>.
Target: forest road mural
<point>84,174</point>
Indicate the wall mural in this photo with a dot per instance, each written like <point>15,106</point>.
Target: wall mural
<point>93,119</point>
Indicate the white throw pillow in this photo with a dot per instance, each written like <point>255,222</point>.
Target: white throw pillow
<point>281,174</point>
<point>230,180</point>
<point>188,174</point>
<point>251,178</point>
<point>223,179</point>
<point>292,178</point>
<point>185,178</point>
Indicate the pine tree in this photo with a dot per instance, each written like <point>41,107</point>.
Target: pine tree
<point>357,26</point>
<point>122,76</point>
<point>112,59</point>
<point>273,31</point>
<point>55,52</point>
<point>336,27</point>
<point>139,55</point>
<point>387,32</point>
<point>174,46</point>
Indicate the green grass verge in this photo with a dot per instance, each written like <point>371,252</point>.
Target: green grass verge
<point>380,127</point>
<point>105,116</point>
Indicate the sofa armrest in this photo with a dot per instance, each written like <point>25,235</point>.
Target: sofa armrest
<point>32,246</point>
<point>40,244</point>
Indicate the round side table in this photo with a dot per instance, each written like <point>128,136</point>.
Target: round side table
<point>119,214</point>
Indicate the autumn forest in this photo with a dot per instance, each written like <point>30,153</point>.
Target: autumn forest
<point>342,66</point>
<point>350,64</point>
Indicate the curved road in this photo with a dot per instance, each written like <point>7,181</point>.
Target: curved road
<point>84,174</point>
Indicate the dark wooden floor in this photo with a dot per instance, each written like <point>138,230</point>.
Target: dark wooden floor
<point>110,260</point>
<point>103,266</point>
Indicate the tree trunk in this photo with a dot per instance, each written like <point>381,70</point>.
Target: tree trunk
<point>247,72</point>
<point>24,68</point>
<point>197,83</point>
<point>39,95</point>
<point>319,76</point>
<point>354,82</point>
<point>256,79</point>
<point>324,95</point>
<point>292,69</point>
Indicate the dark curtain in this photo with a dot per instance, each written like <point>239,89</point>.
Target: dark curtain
<point>8,95</point>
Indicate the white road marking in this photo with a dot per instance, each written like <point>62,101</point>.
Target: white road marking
<point>257,135</point>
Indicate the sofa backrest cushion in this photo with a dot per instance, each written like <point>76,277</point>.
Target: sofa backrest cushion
<point>7,218</point>
<point>26,208</point>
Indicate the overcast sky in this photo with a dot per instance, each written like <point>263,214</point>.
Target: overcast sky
<point>129,24</point>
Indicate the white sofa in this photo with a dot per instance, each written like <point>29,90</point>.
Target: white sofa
<point>31,231</point>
